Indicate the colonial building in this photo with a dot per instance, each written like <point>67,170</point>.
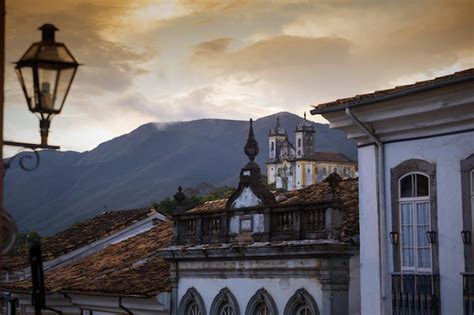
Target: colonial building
<point>104,265</point>
<point>416,177</point>
<point>261,253</point>
<point>291,167</point>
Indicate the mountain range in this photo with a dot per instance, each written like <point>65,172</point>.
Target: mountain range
<point>141,167</point>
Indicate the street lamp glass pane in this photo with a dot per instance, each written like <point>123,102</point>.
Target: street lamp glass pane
<point>54,53</point>
<point>64,81</point>
<point>31,52</point>
<point>25,75</point>
<point>47,84</point>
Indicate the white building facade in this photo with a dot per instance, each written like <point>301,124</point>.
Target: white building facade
<point>416,179</point>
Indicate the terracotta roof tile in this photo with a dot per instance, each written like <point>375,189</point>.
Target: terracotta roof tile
<point>210,206</point>
<point>332,157</point>
<point>78,235</point>
<point>347,191</point>
<point>320,192</point>
<point>128,268</point>
<point>374,95</point>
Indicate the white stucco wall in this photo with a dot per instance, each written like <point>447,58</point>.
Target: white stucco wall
<point>280,289</point>
<point>270,174</point>
<point>309,174</point>
<point>446,152</point>
<point>369,234</point>
<point>299,169</point>
<point>258,221</point>
<point>247,198</point>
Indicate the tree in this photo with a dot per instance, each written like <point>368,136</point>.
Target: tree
<point>193,199</point>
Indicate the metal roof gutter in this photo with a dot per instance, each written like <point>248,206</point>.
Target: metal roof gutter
<point>386,97</point>
<point>123,307</point>
<point>381,213</point>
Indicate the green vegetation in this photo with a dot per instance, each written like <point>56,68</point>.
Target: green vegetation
<point>193,198</point>
<point>25,238</point>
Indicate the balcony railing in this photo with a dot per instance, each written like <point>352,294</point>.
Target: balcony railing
<point>468,292</point>
<point>415,294</point>
<point>280,223</point>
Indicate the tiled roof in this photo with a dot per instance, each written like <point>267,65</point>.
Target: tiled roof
<point>347,190</point>
<point>78,235</point>
<point>210,206</point>
<point>127,268</point>
<point>332,157</point>
<point>374,96</point>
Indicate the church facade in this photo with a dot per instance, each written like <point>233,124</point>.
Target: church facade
<point>297,166</point>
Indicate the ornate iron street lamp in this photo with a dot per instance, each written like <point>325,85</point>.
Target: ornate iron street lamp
<point>431,237</point>
<point>394,238</point>
<point>466,237</point>
<point>46,71</point>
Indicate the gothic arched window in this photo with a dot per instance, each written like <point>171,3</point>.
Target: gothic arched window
<point>301,303</point>
<point>299,142</point>
<point>225,304</point>
<point>191,303</point>
<point>261,304</point>
<point>272,146</point>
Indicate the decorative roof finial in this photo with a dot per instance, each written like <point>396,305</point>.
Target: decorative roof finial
<point>251,147</point>
<point>179,197</point>
<point>251,191</point>
<point>305,115</point>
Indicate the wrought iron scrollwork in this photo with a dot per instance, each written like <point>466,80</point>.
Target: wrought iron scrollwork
<point>28,161</point>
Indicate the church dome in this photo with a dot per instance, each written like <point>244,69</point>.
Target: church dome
<point>278,130</point>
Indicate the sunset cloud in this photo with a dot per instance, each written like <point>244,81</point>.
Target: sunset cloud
<point>150,60</point>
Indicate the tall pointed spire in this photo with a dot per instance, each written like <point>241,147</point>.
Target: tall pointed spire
<point>251,191</point>
<point>251,147</point>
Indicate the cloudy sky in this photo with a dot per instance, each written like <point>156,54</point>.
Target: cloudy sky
<point>151,60</point>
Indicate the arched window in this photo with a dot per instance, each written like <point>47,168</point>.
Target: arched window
<point>299,142</point>
<point>272,146</point>
<point>261,304</point>
<point>191,303</point>
<point>301,303</point>
<point>415,222</point>
<point>225,304</point>
<point>413,215</point>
